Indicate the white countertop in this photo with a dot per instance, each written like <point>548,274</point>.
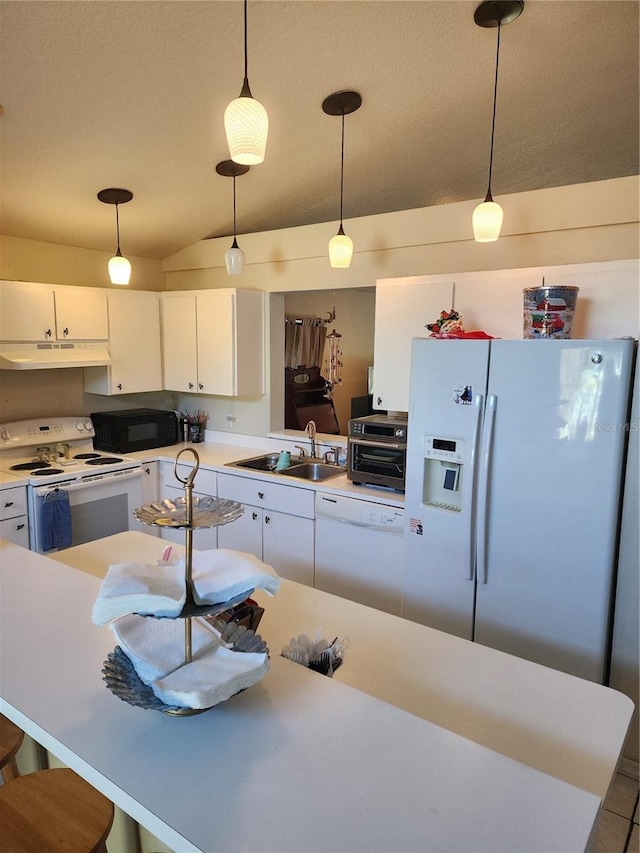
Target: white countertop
<point>298,762</point>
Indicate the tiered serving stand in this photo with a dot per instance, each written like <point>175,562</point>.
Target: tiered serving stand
<point>189,514</point>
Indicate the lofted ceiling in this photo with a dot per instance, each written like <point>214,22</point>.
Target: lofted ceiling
<point>131,94</point>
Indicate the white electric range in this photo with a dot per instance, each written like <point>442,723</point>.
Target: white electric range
<point>75,493</point>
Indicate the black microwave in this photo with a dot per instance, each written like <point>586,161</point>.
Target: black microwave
<point>129,430</point>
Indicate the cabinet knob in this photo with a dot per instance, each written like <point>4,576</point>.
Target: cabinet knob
<point>147,470</point>
<point>379,401</point>
<point>261,495</point>
<point>119,386</point>
<point>200,385</point>
<point>9,503</point>
<point>267,519</point>
<point>19,527</point>
<point>47,334</point>
<point>254,515</point>
<point>65,331</point>
<point>191,385</point>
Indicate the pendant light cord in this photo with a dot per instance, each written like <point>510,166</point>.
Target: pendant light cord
<point>246,91</point>
<point>235,242</point>
<point>493,120</point>
<point>118,252</point>
<point>342,170</point>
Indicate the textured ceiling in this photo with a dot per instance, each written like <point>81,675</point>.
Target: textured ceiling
<point>132,94</point>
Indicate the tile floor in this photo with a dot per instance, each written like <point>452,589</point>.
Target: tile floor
<point>619,826</point>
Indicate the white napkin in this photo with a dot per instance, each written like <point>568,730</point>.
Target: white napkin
<point>221,574</point>
<point>155,647</point>
<point>212,678</point>
<point>139,588</point>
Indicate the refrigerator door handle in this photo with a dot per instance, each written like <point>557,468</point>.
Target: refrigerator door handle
<point>483,486</point>
<point>479,403</point>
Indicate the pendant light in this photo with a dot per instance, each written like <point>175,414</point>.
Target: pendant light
<point>487,217</point>
<point>234,257</point>
<point>341,104</point>
<point>246,122</point>
<point>119,266</point>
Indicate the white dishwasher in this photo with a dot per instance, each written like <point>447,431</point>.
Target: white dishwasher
<point>359,551</point>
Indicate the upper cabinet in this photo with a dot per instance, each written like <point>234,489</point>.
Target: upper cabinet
<point>213,341</point>
<point>40,312</point>
<point>134,346</point>
<point>403,309</point>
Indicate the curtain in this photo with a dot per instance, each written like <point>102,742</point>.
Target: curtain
<point>304,342</point>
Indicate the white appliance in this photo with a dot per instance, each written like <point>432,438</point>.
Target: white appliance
<point>57,455</point>
<point>359,551</point>
<point>514,467</point>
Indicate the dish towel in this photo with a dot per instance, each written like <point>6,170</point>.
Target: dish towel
<point>55,520</point>
<point>155,647</point>
<point>139,588</point>
<point>220,574</point>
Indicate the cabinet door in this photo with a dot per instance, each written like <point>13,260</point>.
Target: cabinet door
<point>26,312</point>
<point>243,534</point>
<point>287,545</point>
<point>179,347</point>
<point>134,343</point>
<point>81,314</point>
<point>402,313</point>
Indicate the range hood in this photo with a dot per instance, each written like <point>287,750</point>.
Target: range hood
<point>30,356</point>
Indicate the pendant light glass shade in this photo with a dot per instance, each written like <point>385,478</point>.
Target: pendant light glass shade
<point>234,258</point>
<point>246,123</point>
<point>340,250</point>
<point>119,269</point>
<point>487,222</point>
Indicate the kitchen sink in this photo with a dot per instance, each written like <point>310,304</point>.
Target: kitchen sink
<point>315,471</point>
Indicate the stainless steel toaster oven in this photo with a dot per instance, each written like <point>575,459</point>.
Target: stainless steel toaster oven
<point>377,451</point>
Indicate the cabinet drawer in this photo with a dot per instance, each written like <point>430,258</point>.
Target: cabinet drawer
<point>15,530</point>
<point>290,499</point>
<point>13,502</point>
<point>205,482</point>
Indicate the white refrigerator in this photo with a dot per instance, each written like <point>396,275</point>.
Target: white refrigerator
<point>514,470</point>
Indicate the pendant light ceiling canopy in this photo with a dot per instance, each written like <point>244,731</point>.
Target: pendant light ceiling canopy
<point>234,257</point>
<point>246,122</point>
<point>488,216</point>
<point>341,104</point>
<point>119,266</point>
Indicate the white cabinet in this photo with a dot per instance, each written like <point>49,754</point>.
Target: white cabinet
<point>277,525</point>
<point>403,309</point>
<point>204,538</point>
<point>150,492</point>
<point>134,346</point>
<point>213,341</point>
<point>13,515</point>
<point>43,312</point>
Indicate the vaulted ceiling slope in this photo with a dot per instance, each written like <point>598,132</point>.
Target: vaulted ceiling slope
<point>132,94</point>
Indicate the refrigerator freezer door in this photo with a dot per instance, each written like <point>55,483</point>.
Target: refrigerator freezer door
<point>553,500</point>
<point>448,380</point>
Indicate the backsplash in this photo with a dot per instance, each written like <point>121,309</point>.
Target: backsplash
<point>43,393</point>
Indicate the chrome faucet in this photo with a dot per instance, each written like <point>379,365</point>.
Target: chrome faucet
<point>310,429</point>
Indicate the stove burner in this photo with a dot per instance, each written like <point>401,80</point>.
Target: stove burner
<point>46,472</point>
<point>86,456</point>
<point>104,460</point>
<point>29,466</point>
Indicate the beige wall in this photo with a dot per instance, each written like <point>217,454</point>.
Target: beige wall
<point>30,260</point>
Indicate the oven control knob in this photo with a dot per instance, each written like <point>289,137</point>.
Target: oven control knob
<point>88,426</point>
<point>5,435</point>
<point>79,426</point>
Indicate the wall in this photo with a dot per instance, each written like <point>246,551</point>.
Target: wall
<point>30,260</point>
<point>584,223</point>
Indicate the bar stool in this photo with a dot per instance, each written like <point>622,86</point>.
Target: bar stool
<point>53,810</point>
<point>11,738</point>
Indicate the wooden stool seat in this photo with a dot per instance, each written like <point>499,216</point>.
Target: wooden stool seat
<point>53,811</point>
<point>10,742</point>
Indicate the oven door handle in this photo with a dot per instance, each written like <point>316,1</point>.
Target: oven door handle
<point>380,444</point>
<point>85,483</point>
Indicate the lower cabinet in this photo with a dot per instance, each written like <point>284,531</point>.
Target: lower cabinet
<point>277,525</point>
<point>204,538</point>
<point>13,515</point>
